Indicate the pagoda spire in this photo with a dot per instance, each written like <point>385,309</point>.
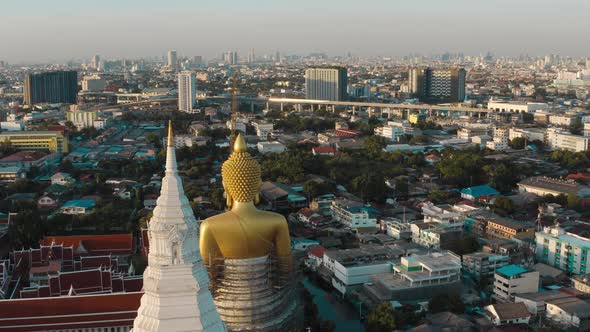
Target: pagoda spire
<point>175,282</point>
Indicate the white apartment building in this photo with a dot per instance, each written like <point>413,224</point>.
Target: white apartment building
<point>557,139</point>
<point>82,119</point>
<point>569,311</point>
<point>500,139</point>
<point>262,128</point>
<point>515,106</point>
<point>561,120</point>
<point>353,267</point>
<point>353,214</point>
<point>187,90</point>
<point>562,249</point>
<point>398,229</point>
<point>513,279</point>
<point>531,134</point>
<point>393,133</point>
<point>180,140</point>
<point>270,147</point>
<point>442,214</point>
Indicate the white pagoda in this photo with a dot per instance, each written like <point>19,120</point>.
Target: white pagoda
<point>176,285</point>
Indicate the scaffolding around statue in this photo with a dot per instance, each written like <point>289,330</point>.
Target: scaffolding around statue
<point>256,294</point>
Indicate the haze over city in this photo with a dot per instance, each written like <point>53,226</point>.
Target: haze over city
<point>44,31</point>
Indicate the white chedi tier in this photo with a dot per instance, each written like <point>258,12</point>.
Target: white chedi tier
<point>176,286</point>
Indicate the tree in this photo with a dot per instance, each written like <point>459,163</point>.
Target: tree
<point>402,189</point>
<point>26,229</point>
<point>216,196</point>
<point>573,201</point>
<point>577,126</point>
<point>381,319</point>
<point>503,205</point>
<point>518,143</point>
<point>375,144</point>
<point>446,302</point>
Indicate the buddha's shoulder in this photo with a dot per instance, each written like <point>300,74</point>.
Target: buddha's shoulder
<point>216,219</point>
<point>272,216</point>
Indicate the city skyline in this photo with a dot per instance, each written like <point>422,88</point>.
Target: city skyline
<point>380,28</point>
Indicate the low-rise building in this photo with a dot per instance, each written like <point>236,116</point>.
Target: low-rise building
<point>435,236</point>
<point>582,283</point>
<point>505,228</point>
<point>417,277</point>
<point>557,139</point>
<point>263,129</point>
<point>63,179</point>
<point>355,267</point>
<point>507,313</point>
<point>569,312</point>
<point>483,192</point>
<point>516,106</point>
<point>353,214</point>
<point>270,147</point>
<point>482,265</point>
<point>78,206</point>
<point>54,141</point>
<point>513,279</point>
<point>542,185</point>
<point>12,173</point>
<point>564,250</point>
<point>398,229</point>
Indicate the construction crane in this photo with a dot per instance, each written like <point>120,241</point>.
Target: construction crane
<point>234,109</point>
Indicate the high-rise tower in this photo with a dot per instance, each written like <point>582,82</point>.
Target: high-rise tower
<point>175,283</point>
<point>326,83</point>
<point>51,87</point>
<point>172,60</point>
<point>187,91</point>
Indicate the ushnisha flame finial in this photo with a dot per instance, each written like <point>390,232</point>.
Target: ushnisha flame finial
<point>240,144</point>
<point>170,137</point>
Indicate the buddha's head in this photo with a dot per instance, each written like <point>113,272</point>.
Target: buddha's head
<point>241,175</point>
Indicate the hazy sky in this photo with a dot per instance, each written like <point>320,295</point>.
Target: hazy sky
<point>43,30</point>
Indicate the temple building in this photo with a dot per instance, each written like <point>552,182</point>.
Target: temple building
<point>176,293</point>
<point>247,253</point>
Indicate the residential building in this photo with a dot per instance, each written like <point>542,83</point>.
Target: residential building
<point>561,120</point>
<point>12,173</point>
<point>506,228</point>
<point>51,87</point>
<point>557,139</point>
<point>483,192</point>
<point>187,91</point>
<point>417,277</point>
<point>438,85</point>
<point>434,235</point>
<point>78,206</point>
<point>581,283</point>
<point>569,312</point>
<point>353,214</point>
<point>323,151</point>
<point>510,280</point>
<point>172,62</point>
<point>507,313</point>
<point>326,83</point>
<point>53,141</point>
<point>444,215</point>
<point>61,178</point>
<point>355,267</point>
<point>499,140</point>
<point>542,185</point>
<point>270,147</point>
<point>483,265</point>
<point>536,302</point>
<point>530,134</point>
<point>564,250</point>
<point>263,129</point>
<point>393,133</point>
<point>398,229</point>
<point>82,119</point>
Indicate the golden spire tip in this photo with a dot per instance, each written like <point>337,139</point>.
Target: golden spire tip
<point>170,137</point>
<point>240,144</point>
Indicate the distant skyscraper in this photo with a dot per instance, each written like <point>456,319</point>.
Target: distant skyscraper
<point>438,85</point>
<point>172,59</point>
<point>95,64</point>
<point>187,90</point>
<point>51,87</point>
<point>251,56</point>
<point>230,57</point>
<point>278,56</point>
<point>326,83</point>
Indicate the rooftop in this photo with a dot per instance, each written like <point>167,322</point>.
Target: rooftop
<point>511,270</point>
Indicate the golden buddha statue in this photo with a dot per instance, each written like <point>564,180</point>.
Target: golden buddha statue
<point>247,253</point>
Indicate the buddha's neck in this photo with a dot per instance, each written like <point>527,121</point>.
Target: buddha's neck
<point>243,207</point>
